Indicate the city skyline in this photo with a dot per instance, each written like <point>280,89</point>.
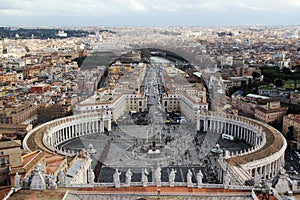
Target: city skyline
<point>146,13</point>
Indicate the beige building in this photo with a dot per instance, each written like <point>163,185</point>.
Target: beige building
<point>10,155</point>
<point>295,97</point>
<point>9,77</point>
<point>182,95</point>
<point>262,108</point>
<point>16,113</point>
<point>269,111</point>
<point>291,129</point>
<point>121,94</point>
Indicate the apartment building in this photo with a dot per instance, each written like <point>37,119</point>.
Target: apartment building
<point>291,129</point>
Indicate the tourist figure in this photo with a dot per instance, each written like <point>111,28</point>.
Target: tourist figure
<point>145,174</point>
<point>17,180</point>
<point>199,179</point>
<point>128,178</point>
<point>189,176</point>
<point>158,176</point>
<point>116,177</point>
<point>172,177</point>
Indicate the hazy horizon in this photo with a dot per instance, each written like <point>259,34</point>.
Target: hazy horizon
<point>143,13</point>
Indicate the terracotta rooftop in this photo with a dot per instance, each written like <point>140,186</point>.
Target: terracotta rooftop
<point>176,192</point>
<point>29,160</point>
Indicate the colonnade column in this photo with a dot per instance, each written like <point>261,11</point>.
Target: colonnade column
<point>109,124</point>
<point>198,124</point>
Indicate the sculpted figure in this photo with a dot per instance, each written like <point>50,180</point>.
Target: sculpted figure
<point>199,179</point>
<point>158,176</point>
<point>189,176</point>
<point>116,177</point>
<point>128,177</point>
<point>17,180</point>
<point>145,174</point>
<point>172,177</point>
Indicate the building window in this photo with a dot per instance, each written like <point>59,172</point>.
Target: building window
<point>3,161</point>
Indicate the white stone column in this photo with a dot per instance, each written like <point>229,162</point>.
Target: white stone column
<point>205,125</point>
<point>84,128</point>
<point>273,168</point>
<point>109,124</point>
<point>235,130</point>
<point>59,136</point>
<point>54,138</point>
<point>64,134</point>
<point>69,131</point>
<point>76,131</point>
<point>198,124</point>
<point>97,126</point>
<point>102,125</point>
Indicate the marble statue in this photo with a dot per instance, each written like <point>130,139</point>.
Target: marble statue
<point>17,180</point>
<point>294,185</point>
<point>128,178</point>
<point>199,179</point>
<point>61,177</point>
<point>38,181</point>
<point>172,177</point>
<point>26,181</point>
<point>52,183</point>
<point>226,180</point>
<point>157,175</point>
<point>91,175</point>
<point>257,178</point>
<point>145,174</point>
<point>282,186</point>
<point>116,177</point>
<point>189,176</point>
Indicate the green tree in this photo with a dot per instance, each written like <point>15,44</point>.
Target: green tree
<point>255,75</point>
<point>279,82</point>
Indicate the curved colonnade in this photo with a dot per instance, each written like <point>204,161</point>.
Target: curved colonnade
<point>263,159</point>
<point>64,129</point>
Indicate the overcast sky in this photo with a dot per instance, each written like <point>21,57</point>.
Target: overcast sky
<point>148,12</point>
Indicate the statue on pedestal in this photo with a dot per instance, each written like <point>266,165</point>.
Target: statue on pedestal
<point>52,183</point>
<point>128,178</point>
<point>145,174</point>
<point>226,180</point>
<point>91,175</point>
<point>116,177</point>
<point>61,177</point>
<point>199,179</point>
<point>26,182</point>
<point>17,180</point>
<point>189,176</point>
<point>172,177</point>
<point>158,176</point>
<point>257,178</point>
